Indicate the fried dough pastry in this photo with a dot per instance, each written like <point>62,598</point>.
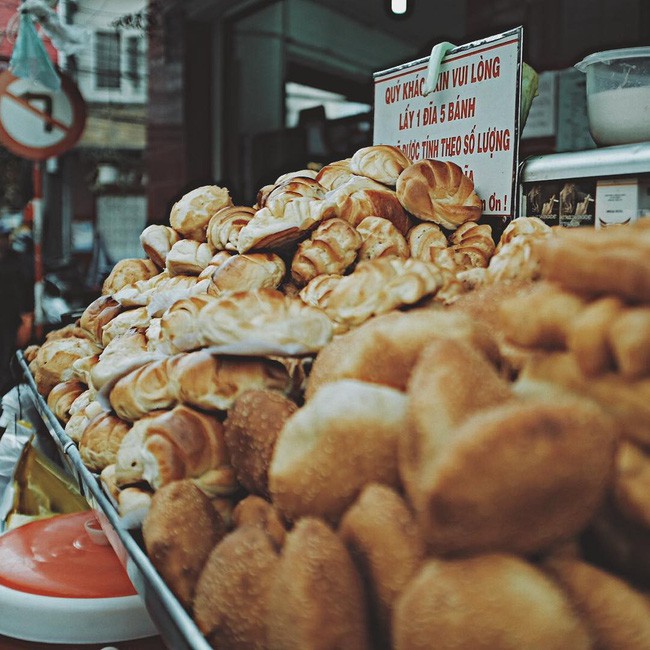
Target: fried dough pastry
<point>616,614</point>
<point>256,511</point>
<point>232,593</point>
<point>316,600</point>
<point>386,546</point>
<point>615,261</point>
<point>632,483</point>
<point>381,285</point>
<point>251,429</point>
<point>628,402</point>
<point>523,227</point>
<point>450,381</point>
<point>384,349</point>
<point>487,602</point>
<point>517,477</point>
<point>180,530</point>
<point>541,318</point>
<point>588,335</point>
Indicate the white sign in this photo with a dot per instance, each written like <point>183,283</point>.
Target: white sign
<point>471,118</point>
<point>37,122</point>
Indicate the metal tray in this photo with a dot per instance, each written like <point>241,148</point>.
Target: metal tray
<point>175,625</point>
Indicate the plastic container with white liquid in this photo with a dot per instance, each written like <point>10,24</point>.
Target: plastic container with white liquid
<point>618,95</point>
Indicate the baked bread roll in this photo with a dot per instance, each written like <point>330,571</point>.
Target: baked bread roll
<point>53,362</point>
<point>379,286</point>
<point>263,322</point>
<point>248,272</point>
<point>199,379</point>
<point>331,249</point>
<point>343,438</point>
<point>303,173</point>
<point>616,614</point>
<point>425,240</point>
<point>179,532</point>
<point>472,245</point>
<point>385,349</point>
<point>156,241</point>
<point>82,411</point>
<point>224,226</point>
<point>254,422</point>
<point>523,227</point>
<point>317,291</point>
<point>433,190</point>
<point>172,445</point>
<point>172,290</point>
<point>188,257</point>
<point>387,549</point>
<point>219,258</point>
<point>179,325</point>
<point>232,594</point>
<point>383,163</point>
<point>489,602</point>
<point>99,313</point>
<point>128,271</point>
<point>137,318</point>
<point>121,356</point>
<point>517,261</point>
<point>335,174</point>
<point>161,291</point>
<point>100,441</point>
<point>353,202</point>
<point>72,330</point>
<point>62,397</point>
<point>285,191</point>
<point>308,607</point>
<point>191,214</point>
<point>268,230</point>
<point>381,239</point>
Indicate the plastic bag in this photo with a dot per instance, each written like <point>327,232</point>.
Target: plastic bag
<point>67,39</point>
<point>30,59</point>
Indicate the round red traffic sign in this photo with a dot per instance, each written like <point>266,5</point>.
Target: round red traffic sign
<point>36,122</point>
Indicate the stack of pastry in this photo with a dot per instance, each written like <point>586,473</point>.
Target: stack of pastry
<point>346,418</point>
<point>450,498</point>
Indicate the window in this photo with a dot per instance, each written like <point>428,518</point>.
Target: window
<point>107,59</point>
<point>133,61</point>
